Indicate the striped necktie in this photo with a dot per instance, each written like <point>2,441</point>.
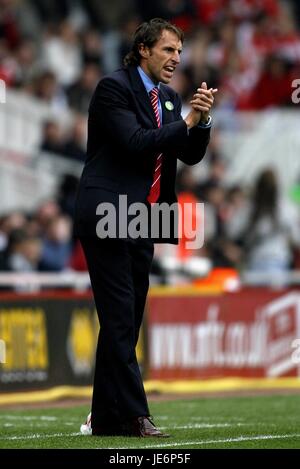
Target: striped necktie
<point>155,188</point>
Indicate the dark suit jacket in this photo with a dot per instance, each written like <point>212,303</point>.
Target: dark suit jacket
<point>123,143</point>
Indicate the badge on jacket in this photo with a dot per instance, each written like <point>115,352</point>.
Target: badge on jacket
<point>169,106</point>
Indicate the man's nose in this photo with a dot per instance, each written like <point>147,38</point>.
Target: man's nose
<point>176,57</point>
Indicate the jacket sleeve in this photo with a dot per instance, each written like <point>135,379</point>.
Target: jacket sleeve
<point>195,147</point>
<point>111,107</point>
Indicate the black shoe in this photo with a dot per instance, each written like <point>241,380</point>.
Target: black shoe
<point>144,427</point>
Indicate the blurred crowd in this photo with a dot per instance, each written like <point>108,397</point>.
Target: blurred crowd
<point>57,50</point>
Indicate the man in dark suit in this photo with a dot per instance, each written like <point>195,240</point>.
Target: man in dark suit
<point>135,135</point>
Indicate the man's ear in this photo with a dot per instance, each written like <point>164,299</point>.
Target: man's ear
<point>144,51</point>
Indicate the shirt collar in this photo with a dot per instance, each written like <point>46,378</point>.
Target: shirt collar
<point>148,83</point>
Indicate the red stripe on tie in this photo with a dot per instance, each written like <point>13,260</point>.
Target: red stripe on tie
<point>155,187</point>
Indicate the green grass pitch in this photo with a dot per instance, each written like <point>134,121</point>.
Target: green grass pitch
<point>239,422</point>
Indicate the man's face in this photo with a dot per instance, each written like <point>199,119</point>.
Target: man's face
<point>160,61</point>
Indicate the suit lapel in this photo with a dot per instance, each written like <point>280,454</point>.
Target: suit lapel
<point>167,115</point>
<point>144,99</point>
<point>141,93</point>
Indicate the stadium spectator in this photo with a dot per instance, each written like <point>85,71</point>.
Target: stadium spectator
<point>52,138</point>
<point>271,228</point>
<point>179,12</point>
<point>47,89</point>
<point>8,223</point>
<point>273,87</point>
<point>47,211</point>
<point>27,63</point>
<point>92,48</point>
<point>296,11</point>
<point>9,27</point>
<point>52,10</point>
<point>57,246</point>
<point>61,54</point>
<point>7,64</point>
<point>23,252</point>
<point>235,210</point>
<point>74,146</point>
<point>79,93</point>
<point>107,15</point>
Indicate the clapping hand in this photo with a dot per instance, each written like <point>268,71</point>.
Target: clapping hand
<point>203,100</point>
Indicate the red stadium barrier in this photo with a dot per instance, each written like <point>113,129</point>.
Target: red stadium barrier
<point>50,338</point>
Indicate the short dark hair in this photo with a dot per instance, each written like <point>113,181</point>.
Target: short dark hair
<point>148,33</point>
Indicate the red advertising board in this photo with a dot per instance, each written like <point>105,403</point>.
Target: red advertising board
<point>249,333</point>
<point>50,339</point>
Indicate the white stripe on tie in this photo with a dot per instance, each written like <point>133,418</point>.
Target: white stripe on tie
<point>155,187</point>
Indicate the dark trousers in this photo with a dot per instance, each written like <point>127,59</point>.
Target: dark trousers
<point>119,272</point>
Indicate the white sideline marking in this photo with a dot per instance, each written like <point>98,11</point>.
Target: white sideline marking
<point>172,427</point>
<point>26,417</point>
<point>209,419</point>
<point>167,445</point>
<point>221,440</point>
<point>175,427</point>
<point>203,425</point>
<point>38,435</point>
<point>17,424</point>
<point>55,435</point>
